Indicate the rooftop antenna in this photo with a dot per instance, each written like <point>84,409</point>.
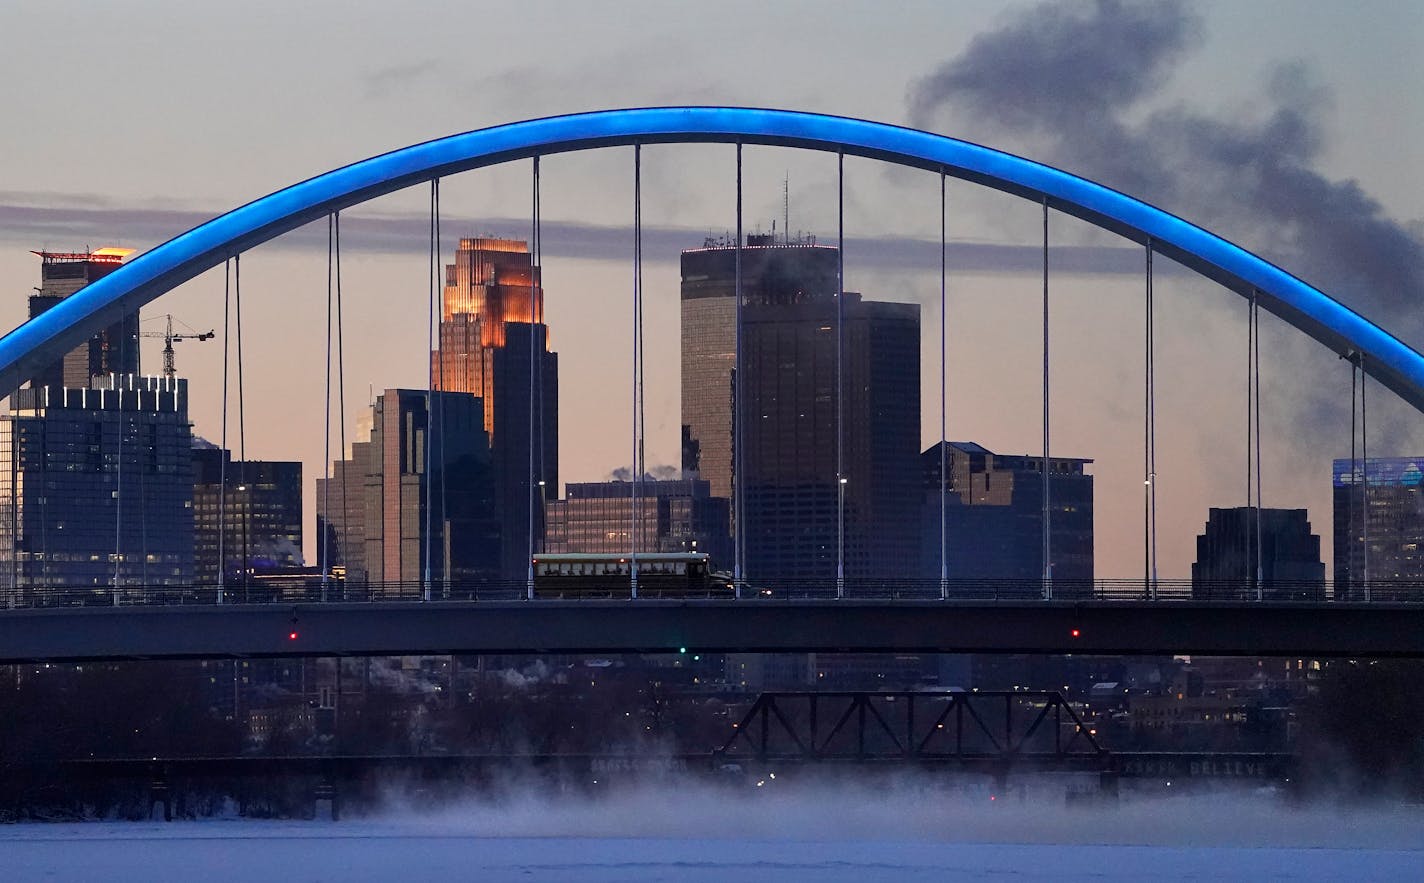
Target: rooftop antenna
<point>786,207</point>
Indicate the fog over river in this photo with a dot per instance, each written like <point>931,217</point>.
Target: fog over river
<point>807,832</point>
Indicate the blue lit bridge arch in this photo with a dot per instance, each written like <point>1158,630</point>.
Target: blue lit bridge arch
<point>145,278</point>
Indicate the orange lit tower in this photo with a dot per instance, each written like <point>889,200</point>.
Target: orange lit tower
<point>114,350</point>
<point>492,291</point>
<point>489,286</point>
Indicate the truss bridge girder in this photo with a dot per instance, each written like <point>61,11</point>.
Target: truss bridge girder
<point>985,728</point>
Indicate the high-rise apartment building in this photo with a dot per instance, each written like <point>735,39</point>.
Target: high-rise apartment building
<point>96,485</point>
<point>247,516</point>
<point>994,517</point>
<point>1227,563</point>
<point>114,350</point>
<point>1379,526</point>
<point>494,345</point>
<point>671,516</point>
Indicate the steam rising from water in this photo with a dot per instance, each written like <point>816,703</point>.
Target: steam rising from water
<point>904,830</point>
<point>962,810</point>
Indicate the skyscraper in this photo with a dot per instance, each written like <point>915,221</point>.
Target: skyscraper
<point>414,484</point>
<point>341,512</point>
<point>1226,565</point>
<point>96,486</point>
<point>994,517</point>
<point>1379,527</point>
<point>114,350</point>
<point>519,456</point>
<point>492,294</point>
<point>251,525</point>
<point>771,274</point>
<point>792,459</point>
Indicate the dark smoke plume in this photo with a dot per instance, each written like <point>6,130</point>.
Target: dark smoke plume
<point>1075,85</point>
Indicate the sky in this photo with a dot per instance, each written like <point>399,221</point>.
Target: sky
<point>1291,128</point>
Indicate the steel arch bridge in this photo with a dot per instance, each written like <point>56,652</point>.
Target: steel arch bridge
<point>1379,353</point>
<point>146,631</point>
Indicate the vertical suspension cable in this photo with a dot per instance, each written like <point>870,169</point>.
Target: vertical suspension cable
<point>223,457</point>
<point>1256,371</point>
<point>118,483</point>
<point>241,421</point>
<point>1147,431</point>
<point>633,506</point>
<point>534,283</point>
<point>1247,545</point>
<point>738,403</point>
<point>438,412</point>
<point>44,523</point>
<point>341,385</point>
<point>541,428</point>
<point>1047,526</point>
<point>1365,476</point>
<point>1152,410</point>
<point>326,531</point>
<point>429,387</point>
<point>1354,485</point>
<point>537,373</point>
<point>943,394</point>
<point>840,375</point>
<point>440,401</point>
<point>642,399</point>
<point>124,343</point>
<point>15,524</point>
<point>142,473</point>
<point>543,463</point>
<point>1149,440</point>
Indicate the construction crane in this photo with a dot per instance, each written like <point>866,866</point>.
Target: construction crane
<point>169,338</point>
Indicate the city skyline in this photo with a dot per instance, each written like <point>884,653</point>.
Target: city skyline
<point>653,440</point>
<point>452,297</point>
<point>1198,342</point>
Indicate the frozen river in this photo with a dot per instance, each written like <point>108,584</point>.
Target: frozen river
<point>689,836</point>
<point>355,853</point>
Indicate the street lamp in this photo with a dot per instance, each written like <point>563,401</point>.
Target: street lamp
<point>246,509</point>
<point>840,537</point>
<point>543,517</point>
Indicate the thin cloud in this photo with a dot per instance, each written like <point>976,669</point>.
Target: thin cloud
<point>32,225</point>
<point>394,79</point>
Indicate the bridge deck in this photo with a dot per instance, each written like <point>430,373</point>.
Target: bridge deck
<point>399,628</point>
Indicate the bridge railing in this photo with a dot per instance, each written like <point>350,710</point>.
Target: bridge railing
<point>307,590</point>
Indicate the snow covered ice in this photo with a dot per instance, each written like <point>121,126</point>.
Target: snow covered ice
<point>689,833</point>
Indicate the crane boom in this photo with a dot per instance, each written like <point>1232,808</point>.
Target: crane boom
<point>169,338</point>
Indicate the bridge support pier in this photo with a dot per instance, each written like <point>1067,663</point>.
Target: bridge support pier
<point>1000,773</point>
<point>160,792</point>
<point>326,791</point>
